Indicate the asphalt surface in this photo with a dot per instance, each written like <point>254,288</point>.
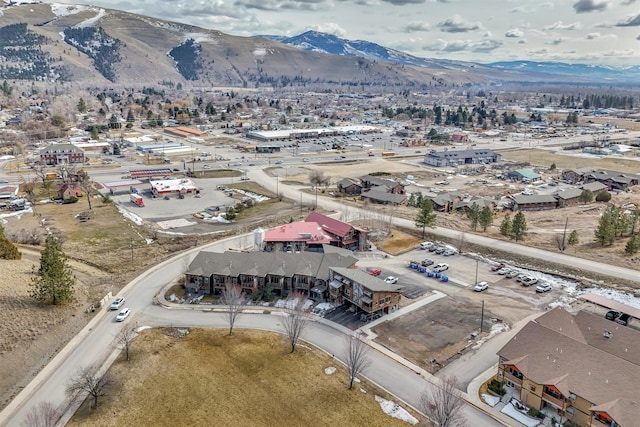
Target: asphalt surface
<point>95,343</point>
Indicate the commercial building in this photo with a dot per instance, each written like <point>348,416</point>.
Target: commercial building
<point>449,158</point>
<point>56,154</point>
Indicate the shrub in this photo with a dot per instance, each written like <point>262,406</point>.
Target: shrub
<point>533,412</point>
<point>603,196</point>
<point>495,386</point>
<point>70,199</point>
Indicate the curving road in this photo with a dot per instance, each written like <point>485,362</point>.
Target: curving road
<point>94,343</point>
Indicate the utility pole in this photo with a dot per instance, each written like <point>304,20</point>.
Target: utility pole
<point>482,317</point>
<point>476,272</point>
<point>564,234</point>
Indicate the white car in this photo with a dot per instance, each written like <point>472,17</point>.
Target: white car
<point>441,267</point>
<point>306,160</point>
<point>481,286</point>
<point>206,167</point>
<point>543,287</point>
<point>426,245</point>
<point>529,281</point>
<point>117,303</point>
<point>392,280</point>
<point>124,313</point>
<point>244,178</point>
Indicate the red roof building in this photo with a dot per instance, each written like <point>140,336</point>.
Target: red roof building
<point>316,230</point>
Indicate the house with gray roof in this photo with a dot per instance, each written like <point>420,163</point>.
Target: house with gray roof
<point>370,295</point>
<point>256,272</point>
<point>381,196</point>
<point>537,202</point>
<point>568,197</point>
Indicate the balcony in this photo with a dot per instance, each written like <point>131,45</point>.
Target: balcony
<point>559,403</point>
<point>510,377</point>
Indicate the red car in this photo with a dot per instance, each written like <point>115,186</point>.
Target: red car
<point>373,271</point>
<point>496,267</point>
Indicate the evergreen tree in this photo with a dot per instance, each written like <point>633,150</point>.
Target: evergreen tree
<point>7,249</point>
<point>505,226</point>
<point>605,231</point>
<point>130,117</point>
<point>54,281</point>
<point>82,106</point>
<point>519,227</point>
<point>426,217</point>
<point>632,245</point>
<point>474,216</point>
<point>486,218</point>
<point>573,238</point>
<point>586,196</point>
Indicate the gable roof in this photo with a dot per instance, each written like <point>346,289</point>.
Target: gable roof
<point>310,232</point>
<point>262,264</point>
<point>331,225</point>
<point>571,353</point>
<point>383,196</point>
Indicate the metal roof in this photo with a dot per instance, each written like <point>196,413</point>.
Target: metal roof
<point>611,304</point>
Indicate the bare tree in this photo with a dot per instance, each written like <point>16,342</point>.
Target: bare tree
<point>295,320</point>
<point>357,357</point>
<point>88,382</point>
<point>124,340</point>
<point>87,185</point>
<point>559,241</point>
<point>42,415</point>
<point>233,298</point>
<point>443,403</point>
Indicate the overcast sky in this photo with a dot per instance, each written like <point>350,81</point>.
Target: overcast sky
<point>576,31</point>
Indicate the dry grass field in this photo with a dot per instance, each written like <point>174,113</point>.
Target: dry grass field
<point>568,160</point>
<point>30,334</point>
<point>249,379</point>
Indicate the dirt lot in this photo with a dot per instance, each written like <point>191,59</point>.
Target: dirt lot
<point>247,379</point>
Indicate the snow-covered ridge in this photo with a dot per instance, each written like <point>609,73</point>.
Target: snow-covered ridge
<point>59,9</point>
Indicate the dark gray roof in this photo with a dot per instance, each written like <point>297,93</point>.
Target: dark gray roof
<point>594,186</point>
<point>521,199</point>
<point>383,196</point>
<point>569,193</point>
<point>368,281</point>
<point>375,180</point>
<point>263,263</point>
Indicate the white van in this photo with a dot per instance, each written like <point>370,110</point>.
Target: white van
<point>426,245</point>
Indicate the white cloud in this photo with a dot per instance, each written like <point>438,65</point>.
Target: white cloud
<point>515,33</point>
<point>329,28</point>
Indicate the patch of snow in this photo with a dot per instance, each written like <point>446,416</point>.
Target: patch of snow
<point>130,216</point>
<point>519,416</point>
<point>490,400</point>
<point>495,330</point>
<point>363,391</point>
<point>91,21</point>
<point>198,37</point>
<point>59,9</point>
<point>394,410</point>
<point>292,302</point>
<point>260,51</point>
<point>254,196</point>
<point>619,296</point>
<point>142,328</point>
<point>330,370</point>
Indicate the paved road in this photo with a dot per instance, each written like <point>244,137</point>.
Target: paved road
<point>507,246</point>
<point>95,343</point>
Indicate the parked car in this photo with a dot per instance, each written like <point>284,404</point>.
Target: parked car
<point>529,281</point>
<point>498,266</point>
<point>124,313</point>
<point>306,160</point>
<point>392,280</point>
<point>511,274</point>
<point>521,277</point>
<point>441,267</point>
<point>504,271</point>
<point>278,162</point>
<point>543,287</point>
<point>612,315</point>
<point>481,286</point>
<point>117,303</point>
<point>623,319</point>
<point>440,250</point>
<point>449,252</point>
<point>432,248</point>
<point>426,262</point>
<point>426,245</point>
<point>374,271</point>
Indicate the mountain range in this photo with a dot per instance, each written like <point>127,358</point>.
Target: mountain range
<point>91,46</point>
